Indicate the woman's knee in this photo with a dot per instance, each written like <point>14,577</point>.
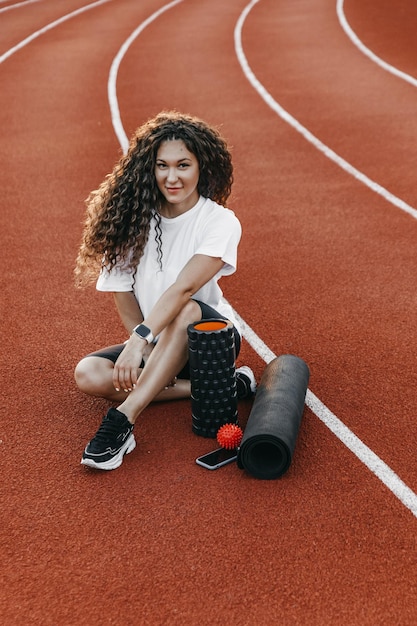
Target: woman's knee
<point>189,314</point>
<point>177,329</point>
<point>90,373</point>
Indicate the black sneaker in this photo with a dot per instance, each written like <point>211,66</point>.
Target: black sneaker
<point>111,442</point>
<point>245,382</point>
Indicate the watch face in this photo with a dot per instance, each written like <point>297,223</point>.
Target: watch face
<point>142,331</point>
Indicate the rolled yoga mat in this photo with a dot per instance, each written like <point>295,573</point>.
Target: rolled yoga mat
<point>271,432</point>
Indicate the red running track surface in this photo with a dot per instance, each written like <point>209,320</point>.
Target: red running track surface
<point>327,272</point>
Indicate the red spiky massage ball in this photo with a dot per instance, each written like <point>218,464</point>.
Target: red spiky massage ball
<point>229,436</point>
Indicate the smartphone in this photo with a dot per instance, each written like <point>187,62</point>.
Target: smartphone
<point>217,458</point>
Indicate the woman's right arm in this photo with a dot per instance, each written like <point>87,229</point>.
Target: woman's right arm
<point>128,309</point>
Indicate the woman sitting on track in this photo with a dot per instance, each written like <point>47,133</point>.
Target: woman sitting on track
<point>159,235</point>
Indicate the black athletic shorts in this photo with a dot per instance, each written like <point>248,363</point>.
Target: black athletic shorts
<point>207,312</point>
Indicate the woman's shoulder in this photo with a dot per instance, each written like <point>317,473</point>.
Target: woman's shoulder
<point>212,210</point>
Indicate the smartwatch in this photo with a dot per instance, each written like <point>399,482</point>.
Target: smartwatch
<point>144,332</point>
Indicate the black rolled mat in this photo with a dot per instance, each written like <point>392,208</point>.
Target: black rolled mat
<point>268,443</point>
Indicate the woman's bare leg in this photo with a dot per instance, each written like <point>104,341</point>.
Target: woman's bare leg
<point>167,358</point>
<point>94,375</point>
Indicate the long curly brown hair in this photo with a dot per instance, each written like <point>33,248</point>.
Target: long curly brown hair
<point>119,212</point>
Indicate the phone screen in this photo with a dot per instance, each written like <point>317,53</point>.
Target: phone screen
<point>217,458</point>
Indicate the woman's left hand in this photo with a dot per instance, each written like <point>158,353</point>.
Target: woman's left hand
<point>127,367</point>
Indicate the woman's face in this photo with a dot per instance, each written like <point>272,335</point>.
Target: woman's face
<point>177,172</point>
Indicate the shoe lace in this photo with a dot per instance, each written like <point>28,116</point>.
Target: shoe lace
<point>107,431</point>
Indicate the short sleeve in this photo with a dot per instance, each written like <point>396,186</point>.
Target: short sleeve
<point>219,237</point>
<point>115,280</point>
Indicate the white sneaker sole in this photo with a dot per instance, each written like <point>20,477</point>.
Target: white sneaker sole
<point>117,460</point>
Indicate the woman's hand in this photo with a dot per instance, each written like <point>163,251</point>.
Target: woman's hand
<point>126,369</point>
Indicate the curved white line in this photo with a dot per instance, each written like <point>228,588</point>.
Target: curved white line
<point>45,29</point>
<point>372,461</point>
<point>283,114</point>
<point>366,51</point>
<point>18,5</point>
<point>381,470</point>
<point>111,85</point>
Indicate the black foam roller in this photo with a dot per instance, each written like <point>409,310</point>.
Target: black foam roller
<point>211,348</point>
<point>271,432</point>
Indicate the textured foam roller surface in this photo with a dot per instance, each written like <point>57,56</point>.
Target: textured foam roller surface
<point>211,347</point>
<point>271,432</point>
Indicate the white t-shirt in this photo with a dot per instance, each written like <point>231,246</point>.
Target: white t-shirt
<point>207,228</point>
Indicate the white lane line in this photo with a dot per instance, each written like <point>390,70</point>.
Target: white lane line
<point>373,462</point>
<point>283,114</point>
<point>111,85</point>
<point>18,5</point>
<point>45,29</point>
<point>385,474</point>
<point>366,51</point>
